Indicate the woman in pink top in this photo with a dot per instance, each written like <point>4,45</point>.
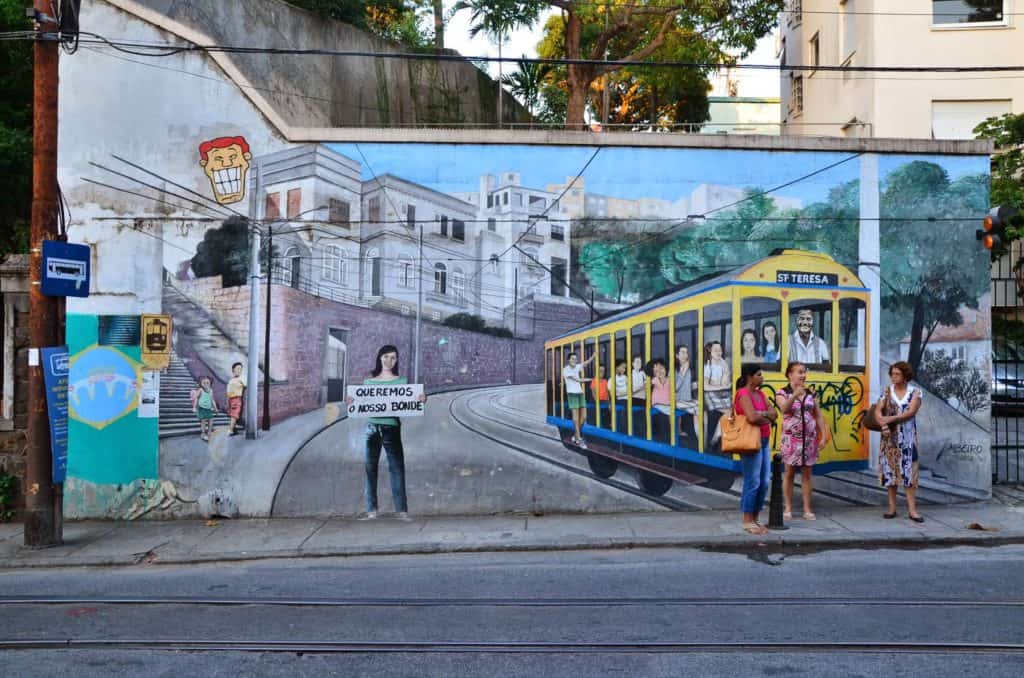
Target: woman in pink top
<point>661,400</point>
<point>751,403</point>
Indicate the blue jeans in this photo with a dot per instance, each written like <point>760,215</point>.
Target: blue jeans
<point>756,475</point>
<point>390,438</point>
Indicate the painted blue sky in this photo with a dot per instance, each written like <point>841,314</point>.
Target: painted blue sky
<point>632,173</point>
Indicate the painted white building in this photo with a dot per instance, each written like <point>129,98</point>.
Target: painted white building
<point>948,33</point>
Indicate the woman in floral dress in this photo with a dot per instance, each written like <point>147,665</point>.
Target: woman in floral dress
<point>803,436</point>
<point>898,463</point>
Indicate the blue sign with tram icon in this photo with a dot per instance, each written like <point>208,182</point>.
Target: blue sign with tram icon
<point>65,269</point>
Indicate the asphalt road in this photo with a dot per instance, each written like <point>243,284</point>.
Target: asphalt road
<point>561,607</point>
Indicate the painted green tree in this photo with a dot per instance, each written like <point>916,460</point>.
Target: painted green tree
<point>932,265</point>
<point>622,271</point>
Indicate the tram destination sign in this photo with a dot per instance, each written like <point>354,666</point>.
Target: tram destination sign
<point>803,278</point>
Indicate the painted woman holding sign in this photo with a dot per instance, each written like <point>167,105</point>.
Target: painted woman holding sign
<point>386,432</point>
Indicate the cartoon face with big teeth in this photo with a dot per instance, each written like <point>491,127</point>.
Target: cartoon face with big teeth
<point>226,162</point>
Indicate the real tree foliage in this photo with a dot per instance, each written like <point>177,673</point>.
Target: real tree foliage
<point>1007,164</point>
<point>403,21</point>
<point>709,31</point>
<point>15,131</point>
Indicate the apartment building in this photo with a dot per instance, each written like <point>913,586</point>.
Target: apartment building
<point>934,33</point>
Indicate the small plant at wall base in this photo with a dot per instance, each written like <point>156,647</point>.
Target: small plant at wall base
<point>8,489</point>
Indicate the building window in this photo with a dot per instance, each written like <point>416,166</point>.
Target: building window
<point>796,94</point>
<point>947,12</point>
<point>334,264</point>
<point>815,51</point>
<point>492,224</point>
<point>490,200</point>
<point>504,200</point>
<point>847,31</point>
<point>957,119</point>
<point>273,206</point>
<point>405,271</point>
<point>494,265</point>
<point>459,286</point>
<point>294,202</point>
<point>410,216</point>
<point>536,201</point>
<point>795,12</point>
<point>517,199</point>
<point>436,316</point>
<point>444,226</point>
<point>458,230</point>
<point>557,232</point>
<point>373,208</point>
<point>339,213</point>
<point>440,279</point>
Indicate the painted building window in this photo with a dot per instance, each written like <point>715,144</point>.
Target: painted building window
<point>294,202</point>
<point>492,224</point>
<point>440,279</point>
<point>760,340</point>
<point>272,210</point>
<point>559,270</point>
<point>339,213</point>
<point>810,334</point>
<point>504,200</point>
<point>373,262</point>
<point>517,199</point>
<point>334,264</point>
<point>558,232</point>
<point>290,266</point>
<point>406,276</point>
<point>458,230</point>
<point>852,323</point>
<point>373,208</point>
<point>490,200</point>
<point>495,268</point>
<point>444,226</point>
<point>537,201</point>
<point>459,286</point>
<point>410,216</point>
<point>945,12</point>
<point>815,49</point>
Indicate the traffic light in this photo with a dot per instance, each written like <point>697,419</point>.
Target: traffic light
<point>993,233</point>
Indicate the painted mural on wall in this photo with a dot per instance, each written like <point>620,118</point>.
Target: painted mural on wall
<point>517,252</point>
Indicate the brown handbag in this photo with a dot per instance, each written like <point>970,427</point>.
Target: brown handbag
<point>739,436</point>
<point>869,420</point>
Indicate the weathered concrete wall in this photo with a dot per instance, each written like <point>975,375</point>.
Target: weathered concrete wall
<point>13,442</point>
<point>329,91</point>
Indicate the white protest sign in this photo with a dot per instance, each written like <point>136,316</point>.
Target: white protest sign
<point>385,400</point>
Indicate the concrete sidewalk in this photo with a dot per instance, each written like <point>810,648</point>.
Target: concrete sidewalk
<point>93,543</point>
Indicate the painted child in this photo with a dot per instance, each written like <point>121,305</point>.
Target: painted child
<point>235,393</point>
<point>205,407</point>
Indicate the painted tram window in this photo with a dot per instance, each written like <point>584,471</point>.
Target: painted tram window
<point>589,346</point>
<point>684,378</point>
<point>759,332</point>
<point>620,382</point>
<point>717,372</point>
<point>810,334</point>
<point>638,381</point>
<point>852,320</point>
<point>605,378</point>
<point>661,392</point>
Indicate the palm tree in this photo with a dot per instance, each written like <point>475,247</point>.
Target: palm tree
<point>526,82</point>
<point>496,19</point>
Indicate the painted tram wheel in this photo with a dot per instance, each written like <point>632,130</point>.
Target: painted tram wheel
<point>602,467</point>
<point>652,483</point>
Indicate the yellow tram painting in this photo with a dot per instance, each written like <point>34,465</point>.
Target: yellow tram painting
<point>792,305</point>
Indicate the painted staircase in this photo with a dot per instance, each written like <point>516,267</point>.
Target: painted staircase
<point>176,415</point>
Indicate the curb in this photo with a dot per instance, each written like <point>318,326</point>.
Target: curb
<point>729,544</point>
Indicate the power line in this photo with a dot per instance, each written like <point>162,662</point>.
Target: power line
<point>623,5</point>
<point>135,48</point>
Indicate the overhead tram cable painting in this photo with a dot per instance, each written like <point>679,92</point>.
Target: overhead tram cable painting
<point>698,335</point>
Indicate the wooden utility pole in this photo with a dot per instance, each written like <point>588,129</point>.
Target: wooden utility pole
<point>43,506</point>
<point>438,24</point>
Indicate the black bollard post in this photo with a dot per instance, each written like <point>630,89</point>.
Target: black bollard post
<point>775,521</point>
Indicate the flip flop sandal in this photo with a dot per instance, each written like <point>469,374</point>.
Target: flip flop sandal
<point>787,515</point>
<point>754,528</point>
<point>809,516</point>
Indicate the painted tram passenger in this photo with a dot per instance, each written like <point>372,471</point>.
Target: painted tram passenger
<point>691,342</point>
